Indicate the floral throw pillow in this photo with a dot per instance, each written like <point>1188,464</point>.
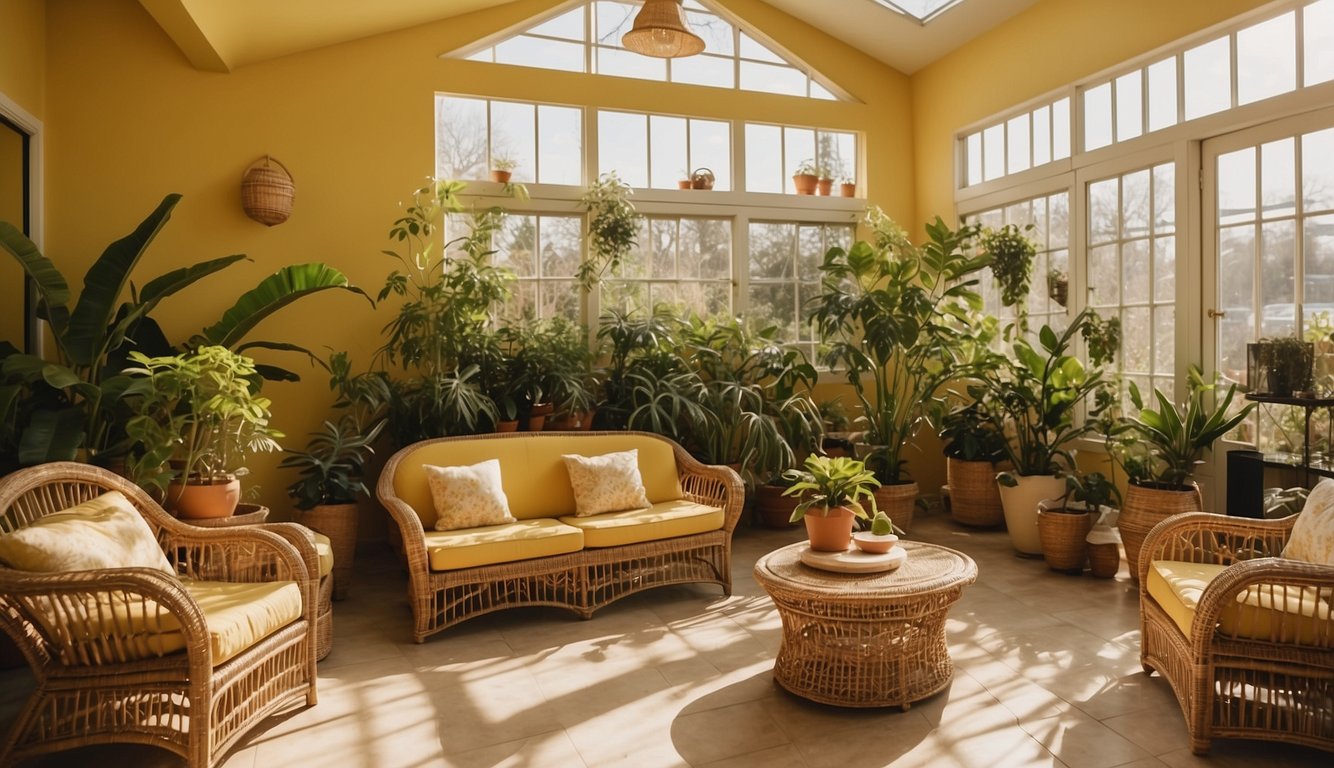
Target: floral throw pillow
<point>104,532</point>
<point>607,483</point>
<point>1312,538</point>
<point>468,497</point>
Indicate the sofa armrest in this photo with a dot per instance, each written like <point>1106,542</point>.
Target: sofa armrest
<point>714,485</point>
<point>1203,537</point>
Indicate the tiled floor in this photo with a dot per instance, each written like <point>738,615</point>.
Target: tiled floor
<point>1047,673</point>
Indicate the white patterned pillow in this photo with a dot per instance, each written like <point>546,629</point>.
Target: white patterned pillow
<point>607,483</point>
<point>1312,538</point>
<point>468,497</point>
<point>104,532</point>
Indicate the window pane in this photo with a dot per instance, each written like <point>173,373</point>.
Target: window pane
<point>560,298</point>
<point>772,251</point>
<point>1136,326</point>
<point>1060,129</point>
<point>1017,137</point>
<point>560,145</point>
<point>1208,79</point>
<point>1041,136</point>
<point>1236,186</point>
<point>1278,184</point>
<point>1104,277</point>
<point>1319,264</point>
<point>704,70</point>
<point>1103,211</point>
<point>820,92</point>
<point>799,146</point>
<point>716,32</point>
<point>711,148</point>
<point>526,51</point>
<point>667,144</point>
<point>753,50</point>
<point>612,20</point>
<point>1135,287</point>
<point>1164,340</point>
<point>1236,284</point>
<point>516,245</point>
<point>514,136</point>
<point>569,26</point>
<point>623,63</point>
<point>623,146</point>
<point>1164,198</point>
<point>1164,269</point>
<point>1098,116</point>
<point>561,238</point>
<point>772,79</point>
<point>973,150</point>
<point>1129,106</point>
<point>764,158</point>
<point>1163,94</point>
<point>993,152</point>
<point>1277,287</point>
<point>1267,59</point>
<point>844,162</point>
<point>1135,204</point>
<point>1318,48</point>
<point>663,235</point>
<point>1318,171</point>
<point>460,138</point>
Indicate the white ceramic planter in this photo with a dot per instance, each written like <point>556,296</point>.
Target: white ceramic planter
<point>1021,509</point>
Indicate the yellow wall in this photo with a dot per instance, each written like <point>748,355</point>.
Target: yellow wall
<point>132,120</point>
<point>1052,44</point>
<point>22,54</point>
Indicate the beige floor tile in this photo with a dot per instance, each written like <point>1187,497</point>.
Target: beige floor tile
<point>553,748</point>
<point>718,733</point>
<point>778,757</point>
<point>1077,739</point>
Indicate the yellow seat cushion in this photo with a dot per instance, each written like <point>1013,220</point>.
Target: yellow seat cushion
<point>324,548</point>
<point>237,616</point>
<point>1262,612</point>
<point>491,544</point>
<point>664,520</point>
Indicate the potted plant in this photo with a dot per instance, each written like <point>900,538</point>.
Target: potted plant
<point>568,380</point>
<point>1011,253</point>
<point>806,177</point>
<point>1280,367</point>
<point>332,473</point>
<point>832,490</point>
<point>1159,450</point>
<point>893,316</point>
<point>1037,394</point>
<point>824,184</point>
<point>200,416</point>
<point>1058,286</point>
<point>974,447</point>
<point>502,169</point>
<point>685,181</point>
<point>881,537</point>
<point>848,187</point>
<point>613,226</point>
<point>1064,523</point>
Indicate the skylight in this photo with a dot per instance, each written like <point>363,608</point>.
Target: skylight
<point>920,10</point>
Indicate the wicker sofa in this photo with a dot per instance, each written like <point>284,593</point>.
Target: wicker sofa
<point>549,557</point>
<point>189,660</point>
<point>1244,635</point>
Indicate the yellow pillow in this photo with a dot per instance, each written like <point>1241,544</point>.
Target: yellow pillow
<point>468,497</point>
<point>1312,538</point>
<point>607,483</point>
<point>105,532</point>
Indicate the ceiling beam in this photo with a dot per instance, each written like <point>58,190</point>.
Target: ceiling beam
<point>176,19</point>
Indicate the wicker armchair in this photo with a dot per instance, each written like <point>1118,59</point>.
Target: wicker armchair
<point>99,685</point>
<point>1258,660</point>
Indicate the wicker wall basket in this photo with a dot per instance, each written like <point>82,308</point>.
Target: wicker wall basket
<point>267,192</point>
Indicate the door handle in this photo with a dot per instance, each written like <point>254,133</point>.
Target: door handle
<point>1214,314</point>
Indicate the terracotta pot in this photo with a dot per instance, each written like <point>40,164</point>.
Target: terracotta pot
<point>824,186</point>
<point>195,501</point>
<point>1062,533</point>
<point>805,183</point>
<point>568,421</point>
<point>773,508</point>
<point>829,532</point>
<point>848,190</point>
<point>501,177</point>
<point>897,500</point>
<point>537,416</point>
<point>508,425</point>
<point>685,184</point>
<point>1021,509</point>
<point>1145,507</point>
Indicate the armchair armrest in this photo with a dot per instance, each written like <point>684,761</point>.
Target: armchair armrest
<point>242,554</point>
<point>1262,585</point>
<point>1202,537</point>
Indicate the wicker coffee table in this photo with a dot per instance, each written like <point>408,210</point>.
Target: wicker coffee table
<point>865,640</point>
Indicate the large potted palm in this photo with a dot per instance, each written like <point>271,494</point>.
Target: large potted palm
<point>1159,450</point>
<point>892,315</point>
<point>1038,393</point>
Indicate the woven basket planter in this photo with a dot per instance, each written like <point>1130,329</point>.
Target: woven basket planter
<point>1104,560</point>
<point>339,523</point>
<point>772,507</point>
<point>974,496</point>
<point>1062,532</point>
<point>897,501</point>
<point>1146,507</point>
<point>267,193</point>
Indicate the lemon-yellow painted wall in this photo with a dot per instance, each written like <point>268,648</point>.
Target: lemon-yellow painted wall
<point>23,54</point>
<point>1052,44</point>
<point>130,121</point>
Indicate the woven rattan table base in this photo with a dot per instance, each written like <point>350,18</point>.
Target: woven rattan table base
<point>865,640</point>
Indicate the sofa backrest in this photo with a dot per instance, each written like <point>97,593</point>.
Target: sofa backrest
<point>531,470</point>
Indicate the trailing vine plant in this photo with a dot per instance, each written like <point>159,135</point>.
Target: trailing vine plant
<point>613,225</point>
<point>1011,253</point>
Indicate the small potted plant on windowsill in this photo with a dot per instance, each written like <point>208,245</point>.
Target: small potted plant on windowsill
<point>824,185</point>
<point>502,169</point>
<point>848,187</point>
<point>685,181</point>
<point>832,490</point>
<point>806,177</point>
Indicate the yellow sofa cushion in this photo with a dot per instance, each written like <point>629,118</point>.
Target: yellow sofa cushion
<point>664,520</point>
<point>532,472</point>
<point>324,548</point>
<point>236,615</point>
<point>1262,612</point>
<point>105,532</point>
<point>491,544</point>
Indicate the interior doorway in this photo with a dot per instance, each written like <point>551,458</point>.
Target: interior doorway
<point>17,325</point>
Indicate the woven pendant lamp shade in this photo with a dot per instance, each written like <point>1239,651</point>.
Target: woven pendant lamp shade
<point>660,30</point>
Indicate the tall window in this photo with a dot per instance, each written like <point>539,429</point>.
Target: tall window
<point>588,39</point>
<point>1132,270</point>
<point>682,262</point>
<point>544,141</point>
<point>784,263</point>
<point>1049,293</point>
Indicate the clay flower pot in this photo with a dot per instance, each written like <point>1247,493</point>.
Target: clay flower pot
<point>824,186</point>
<point>200,501</point>
<point>501,177</point>
<point>848,190</point>
<point>831,531</point>
<point>805,183</point>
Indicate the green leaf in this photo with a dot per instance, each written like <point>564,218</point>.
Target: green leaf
<point>50,283</point>
<point>165,285</point>
<point>52,435</point>
<point>273,293</point>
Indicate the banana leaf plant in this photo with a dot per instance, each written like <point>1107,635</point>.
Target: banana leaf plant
<point>78,401</point>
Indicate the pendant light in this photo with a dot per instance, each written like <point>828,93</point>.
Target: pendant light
<point>660,30</point>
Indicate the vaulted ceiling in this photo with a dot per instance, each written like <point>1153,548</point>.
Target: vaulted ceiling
<point>221,35</point>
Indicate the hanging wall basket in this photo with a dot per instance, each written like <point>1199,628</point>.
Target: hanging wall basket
<point>267,191</point>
